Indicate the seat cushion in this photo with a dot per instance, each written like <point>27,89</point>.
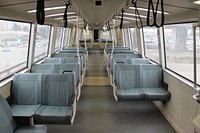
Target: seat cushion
<point>24,110</point>
<point>53,114</point>
<point>154,94</point>
<point>130,94</point>
<point>32,129</point>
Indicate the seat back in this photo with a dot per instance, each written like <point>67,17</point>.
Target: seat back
<point>26,88</point>
<point>118,61</point>
<point>42,68</point>
<point>73,60</point>
<point>128,77</point>
<point>150,75</point>
<point>8,125</point>
<point>60,68</point>
<point>52,60</point>
<point>58,89</point>
<point>140,61</point>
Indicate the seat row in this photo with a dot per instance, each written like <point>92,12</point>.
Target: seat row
<point>9,125</point>
<point>48,98</point>
<point>140,82</point>
<point>61,68</point>
<point>114,67</point>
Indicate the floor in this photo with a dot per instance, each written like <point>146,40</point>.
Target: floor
<point>98,112</point>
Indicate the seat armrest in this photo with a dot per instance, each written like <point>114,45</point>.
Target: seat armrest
<point>73,99</point>
<point>25,120</point>
<point>164,85</point>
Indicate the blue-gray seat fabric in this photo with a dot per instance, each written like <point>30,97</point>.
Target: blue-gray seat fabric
<point>8,124</point>
<point>128,85</point>
<point>26,90</point>
<point>58,93</point>
<point>151,83</point>
<point>24,110</point>
<point>54,114</point>
<point>59,68</point>
<point>32,129</point>
<point>42,68</point>
<point>52,60</point>
<point>122,55</point>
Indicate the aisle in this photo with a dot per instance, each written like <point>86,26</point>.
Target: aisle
<point>97,111</point>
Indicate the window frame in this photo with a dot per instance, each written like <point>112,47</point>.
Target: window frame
<point>164,46</point>
<point>48,45</point>
<point>27,55</point>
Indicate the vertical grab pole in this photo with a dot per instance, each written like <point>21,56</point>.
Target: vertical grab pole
<point>194,52</point>
<point>77,40</point>
<point>113,43</point>
<point>85,46</point>
<point>197,95</point>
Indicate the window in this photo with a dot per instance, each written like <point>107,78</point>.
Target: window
<point>14,43</point>
<point>58,38</point>
<point>126,37</point>
<point>198,54</point>
<point>179,49</point>
<point>151,43</point>
<point>66,37</point>
<point>134,39</point>
<point>105,35</point>
<point>42,41</point>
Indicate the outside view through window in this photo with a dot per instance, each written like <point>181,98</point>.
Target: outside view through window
<point>179,49</point>
<point>42,41</point>
<point>14,40</point>
<point>151,43</point>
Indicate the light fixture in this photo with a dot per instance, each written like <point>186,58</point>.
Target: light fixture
<point>197,2</point>
<point>130,14</point>
<point>145,9</point>
<point>49,9</point>
<point>58,14</point>
<point>60,18</point>
<point>129,18</point>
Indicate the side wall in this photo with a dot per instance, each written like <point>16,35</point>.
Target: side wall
<point>182,108</point>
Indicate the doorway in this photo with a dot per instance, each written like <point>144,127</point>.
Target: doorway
<point>96,35</point>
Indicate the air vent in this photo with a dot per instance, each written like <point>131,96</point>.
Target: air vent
<point>98,2</point>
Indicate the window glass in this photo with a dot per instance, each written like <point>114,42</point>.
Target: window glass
<point>179,49</point>
<point>126,37</point>
<point>14,41</point>
<point>198,55</point>
<point>58,38</point>
<point>66,37</point>
<point>151,43</point>
<point>42,42</point>
<point>134,39</point>
<point>105,35</point>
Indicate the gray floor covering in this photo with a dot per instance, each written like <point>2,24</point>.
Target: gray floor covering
<point>97,111</point>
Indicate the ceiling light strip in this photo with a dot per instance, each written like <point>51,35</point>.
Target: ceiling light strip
<point>48,9</point>
<point>59,14</point>
<point>145,9</point>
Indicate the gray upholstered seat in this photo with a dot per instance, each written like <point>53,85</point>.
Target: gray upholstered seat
<point>54,114</point>
<point>151,83</point>
<point>130,94</point>
<point>26,90</point>
<point>128,84</point>
<point>24,110</point>
<point>8,124</point>
<point>52,60</point>
<point>60,68</point>
<point>58,97</point>
<point>32,129</point>
<point>42,68</point>
<point>140,61</point>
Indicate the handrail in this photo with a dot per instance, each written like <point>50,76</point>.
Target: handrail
<point>40,13</point>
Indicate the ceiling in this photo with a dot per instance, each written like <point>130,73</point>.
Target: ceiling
<point>95,15</point>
